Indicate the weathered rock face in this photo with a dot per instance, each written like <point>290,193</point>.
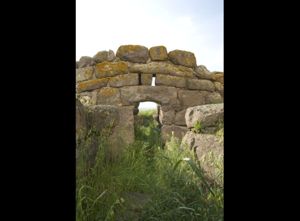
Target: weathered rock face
<point>125,80</point>
<point>208,148</point>
<point>173,81</point>
<point>85,61</point>
<point>109,96</point>
<point>133,53</point>
<point>80,121</point>
<point>202,143</point>
<point>166,118</point>
<point>190,98</point>
<point>160,67</point>
<point>104,56</point>
<point>167,130</point>
<point>184,58</point>
<point>208,115</point>
<point>110,69</point>
<point>196,84</point>
<point>158,53</point>
<point>203,73</point>
<point>146,79</point>
<point>161,95</point>
<point>110,124</point>
<point>91,84</point>
<point>219,77</point>
<point>84,74</point>
<point>180,118</point>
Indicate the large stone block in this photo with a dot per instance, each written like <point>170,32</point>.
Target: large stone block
<point>208,115</point>
<point>167,130</point>
<point>110,69</point>
<point>209,151</point>
<point>160,67</point>
<point>133,53</point>
<point>104,56</point>
<point>109,96</point>
<point>203,73</point>
<point>158,53</point>
<point>146,79</point>
<point>124,80</point>
<point>166,117</point>
<point>218,76</point>
<point>184,58</point>
<point>84,74</point>
<point>158,94</point>
<point>213,98</point>
<point>85,61</point>
<point>219,88</point>
<point>173,81</point>
<point>190,98</point>
<point>91,84</point>
<point>80,121</point>
<point>197,84</point>
<point>180,118</point>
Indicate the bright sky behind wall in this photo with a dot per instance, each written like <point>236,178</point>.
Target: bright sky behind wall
<point>191,25</point>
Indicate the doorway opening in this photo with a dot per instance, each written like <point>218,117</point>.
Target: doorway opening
<point>147,125</point>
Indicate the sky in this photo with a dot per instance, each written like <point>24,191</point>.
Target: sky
<point>191,25</point>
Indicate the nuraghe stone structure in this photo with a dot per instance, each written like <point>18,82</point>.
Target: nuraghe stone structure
<point>123,80</point>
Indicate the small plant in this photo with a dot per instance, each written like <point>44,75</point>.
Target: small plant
<point>197,128</point>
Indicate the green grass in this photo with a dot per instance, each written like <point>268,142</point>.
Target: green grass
<point>169,177</point>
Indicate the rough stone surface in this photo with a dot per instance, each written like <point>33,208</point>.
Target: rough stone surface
<point>192,98</point>
<point>166,118</point>
<point>101,117</point>
<point>91,84</point>
<point>180,118</point>
<point>85,61</point>
<point>133,53</point>
<point>158,53</point>
<point>158,94</point>
<point>101,120</point>
<point>146,79</point>
<point>84,74</point>
<point>184,58</point>
<point>110,69</point>
<point>109,96</point>
<point>124,80</point>
<point>213,98</point>
<point>203,73</point>
<point>80,120</point>
<point>160,67</point>
<point>219,88</point>
<point>207,148</point>
<point>123,133</point>
<point>104,56</point>
<point>167,80</point>
<point>196,84</point>
<point>166,132</point>
<point>219,76</point>
<point>87,98</point>
<point>208,115</point>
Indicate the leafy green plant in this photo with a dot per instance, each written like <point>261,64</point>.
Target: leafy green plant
<point>197,127</point>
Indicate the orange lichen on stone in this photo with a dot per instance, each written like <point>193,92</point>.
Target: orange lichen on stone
<point>108,91</point>
<point>109,69</point>
<point>91,84</point>
<point>158,53</point>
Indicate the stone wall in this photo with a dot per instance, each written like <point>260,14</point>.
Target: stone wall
<point>124,80</point>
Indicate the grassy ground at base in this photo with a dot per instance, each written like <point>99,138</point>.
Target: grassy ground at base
<point>169,178</point>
